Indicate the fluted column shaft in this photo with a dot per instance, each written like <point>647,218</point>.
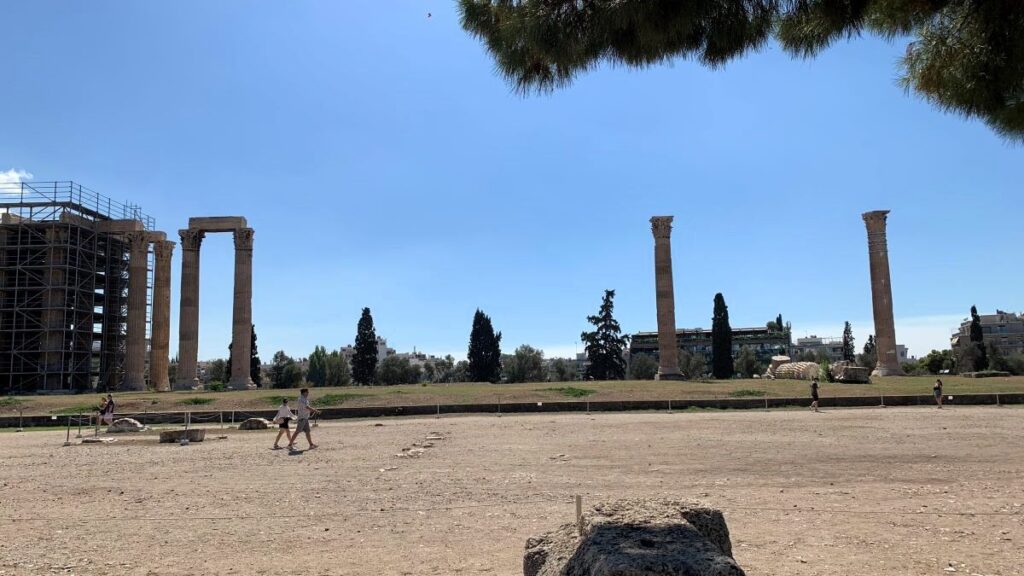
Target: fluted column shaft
<point>668,354</point>
<point>159,354</point>
<point>241,325</point>
<point>135,345</point>
<point>188,322</point>
<point>881,295</point>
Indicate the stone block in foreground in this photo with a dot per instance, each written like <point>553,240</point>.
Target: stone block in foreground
<point>193,435</point>
<point>637,537</point>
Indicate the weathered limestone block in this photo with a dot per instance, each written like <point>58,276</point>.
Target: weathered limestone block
<point>255,424</point>
<point>126,425</point>
<point>193,435</point>
<point>636,538</point>
<point>798,371</point>
<point>776,362</point>
<point>849,373</point>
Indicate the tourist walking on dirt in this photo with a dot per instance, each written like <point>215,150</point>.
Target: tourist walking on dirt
<point>937,392</point>
<point>814,394</point>
<point>282,418</point>
<point>302,424</point>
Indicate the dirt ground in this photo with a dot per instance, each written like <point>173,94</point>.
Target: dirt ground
<point>869,491</point>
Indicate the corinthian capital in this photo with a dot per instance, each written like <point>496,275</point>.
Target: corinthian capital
<point>661,226</point>
<point>191,238</point>
<point>138,240</point>
<point>163,249</point>
<point>875,220</point>
<point>243,238</point>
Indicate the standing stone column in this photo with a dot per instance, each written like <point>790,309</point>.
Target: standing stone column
<point>668,353</point>
<point>241,324</point>
<point>159,354</point>
<point>135,346</point>
<point>881,295</point>
<point>188,323</point>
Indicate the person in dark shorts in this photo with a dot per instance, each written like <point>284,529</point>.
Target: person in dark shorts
<point>937,392</point>
<point>814,394</point>
<point>282,418</point>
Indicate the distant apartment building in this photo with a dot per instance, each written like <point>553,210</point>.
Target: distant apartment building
<point>763,342</point>
<point>383,351</point>
<point>1004,330</point>
<point>833,348</point>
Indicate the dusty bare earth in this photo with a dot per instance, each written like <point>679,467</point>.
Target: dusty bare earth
<point>878,491</point>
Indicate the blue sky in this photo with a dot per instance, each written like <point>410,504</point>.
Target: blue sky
<point>383,163</point>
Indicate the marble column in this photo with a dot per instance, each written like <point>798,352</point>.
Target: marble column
<point>135,345</point>
<point>241,324</point>
<point>668,353</point>
<point>159,354</point>
<point>188,322</point>
<point>881,295</point>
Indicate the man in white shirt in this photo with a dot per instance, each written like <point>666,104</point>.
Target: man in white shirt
<point>304,411</point>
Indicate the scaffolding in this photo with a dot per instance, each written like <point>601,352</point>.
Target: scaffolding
<point>63,288</point>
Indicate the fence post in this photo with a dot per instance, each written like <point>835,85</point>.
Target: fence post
<point>20,418</point>
<point>499,405</point>
<point>184,439</point>
<point>67,439</point>
<point>79,435</point>
<point>882,397</point>
<point>997,399</point>
<point>222,419</point>
<point>438,410</point>
<point>670,406</point>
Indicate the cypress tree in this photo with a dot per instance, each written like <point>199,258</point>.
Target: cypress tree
<point>721,340</point>
<point>364,360</point>
<point>255,371</point>
<point>484,354</point>
<point>605,344</point>
<point>978,341</point>
<point>848,350</point>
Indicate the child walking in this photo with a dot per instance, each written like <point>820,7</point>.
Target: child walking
<point>282,418</point>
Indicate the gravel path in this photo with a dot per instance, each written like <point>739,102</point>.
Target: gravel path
<point>870,491</point>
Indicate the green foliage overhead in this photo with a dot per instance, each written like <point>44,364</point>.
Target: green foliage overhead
<point>964,56</point>
<point>364,360</point>
<point>721,340</point>
<point>605,345</point>
<point>484,353</point>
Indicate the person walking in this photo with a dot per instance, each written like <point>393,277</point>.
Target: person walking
<point>304,411</point>
<point>282,418</point>
<point>814,395</point>
<point>937,392</point>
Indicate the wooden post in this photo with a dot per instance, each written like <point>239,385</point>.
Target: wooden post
<point>20,417</point>
<point>579,514</point>
<point>79,435</point>
<point>67,439</point>
<point>499,405</point>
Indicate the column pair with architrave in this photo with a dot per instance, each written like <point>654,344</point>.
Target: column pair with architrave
<point>188,325</point>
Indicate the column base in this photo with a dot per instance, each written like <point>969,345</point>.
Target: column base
<point>185,384</point>
<point>133,385</point>
<point>245,383</point>
<point>886,371</point>
<point>669,376</point>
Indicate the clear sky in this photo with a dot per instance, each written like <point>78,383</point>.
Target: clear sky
<point>383,163</point>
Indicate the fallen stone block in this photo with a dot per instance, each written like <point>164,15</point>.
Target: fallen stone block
<point>255,424</point>
<point>636,538</point>
<point>192,434</point>
<point>125,425</point>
